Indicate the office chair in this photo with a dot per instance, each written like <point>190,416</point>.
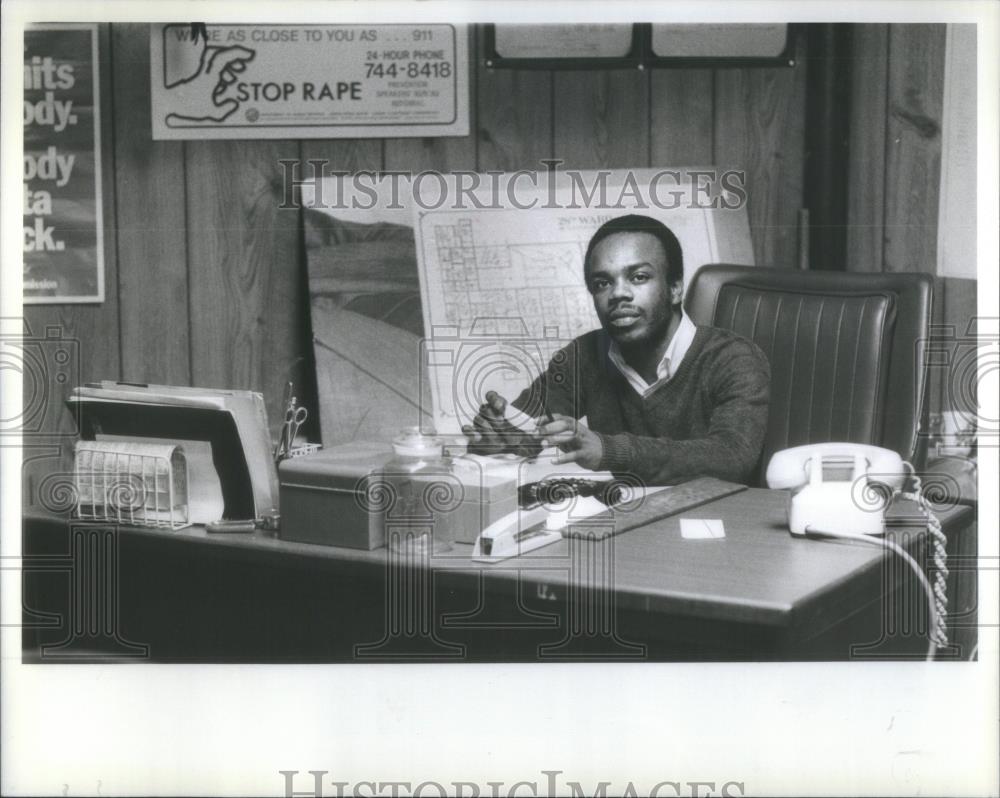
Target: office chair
<point>846,350</point>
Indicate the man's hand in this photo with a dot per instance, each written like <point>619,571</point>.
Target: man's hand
<point>576,442</point>
<point>492,433</point>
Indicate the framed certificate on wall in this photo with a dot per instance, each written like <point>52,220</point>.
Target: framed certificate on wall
<point>586,46</point>
<point>718,44</point>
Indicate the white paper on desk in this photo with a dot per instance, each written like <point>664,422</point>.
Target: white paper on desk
<point>205,503</point>
<point>702,529</point>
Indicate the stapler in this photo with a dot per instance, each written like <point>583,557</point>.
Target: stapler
<point>546,509</point>
<point>518,533</point>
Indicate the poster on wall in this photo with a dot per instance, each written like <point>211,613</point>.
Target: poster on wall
<point>308,81</point>
<point>63,226</point>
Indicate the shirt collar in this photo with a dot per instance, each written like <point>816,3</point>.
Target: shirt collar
<point>669,363</point>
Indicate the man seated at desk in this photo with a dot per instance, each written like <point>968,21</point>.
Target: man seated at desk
<point>665,400</point>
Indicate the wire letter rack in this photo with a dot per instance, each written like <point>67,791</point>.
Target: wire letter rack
<point>141,484</point>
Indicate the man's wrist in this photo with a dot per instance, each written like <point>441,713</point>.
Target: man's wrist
<point>616,454</point>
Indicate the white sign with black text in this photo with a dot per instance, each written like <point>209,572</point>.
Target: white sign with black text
<point>308,81</point>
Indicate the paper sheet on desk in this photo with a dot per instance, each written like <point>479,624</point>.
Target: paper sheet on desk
<point>205,503</point>
<point>702,528</point>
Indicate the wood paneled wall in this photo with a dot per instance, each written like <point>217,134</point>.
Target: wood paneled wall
<point>894,177</point>
<point>206,275</point>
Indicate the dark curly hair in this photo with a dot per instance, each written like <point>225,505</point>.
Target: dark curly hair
<point>634,223</point>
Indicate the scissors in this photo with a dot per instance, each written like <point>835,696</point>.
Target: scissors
<point>295,417</point>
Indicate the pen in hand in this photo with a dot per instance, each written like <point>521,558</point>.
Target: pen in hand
<point>492,433</point>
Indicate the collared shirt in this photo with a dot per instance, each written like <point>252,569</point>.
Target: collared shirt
<point>668,365</point>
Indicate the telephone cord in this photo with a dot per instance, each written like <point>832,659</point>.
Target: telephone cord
<point>937,596</point>
<point>936,622</point>
<point>939,543</point>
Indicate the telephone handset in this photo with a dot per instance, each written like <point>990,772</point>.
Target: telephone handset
<point>792,466</point>
<point>854,507</point>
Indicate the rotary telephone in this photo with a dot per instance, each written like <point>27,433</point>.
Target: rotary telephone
<point>842,490</point>
<point>846,506</point>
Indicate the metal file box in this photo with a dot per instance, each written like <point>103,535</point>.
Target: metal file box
<point>324,497</point>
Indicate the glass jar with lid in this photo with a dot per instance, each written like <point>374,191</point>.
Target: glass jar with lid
<point>423,494</point>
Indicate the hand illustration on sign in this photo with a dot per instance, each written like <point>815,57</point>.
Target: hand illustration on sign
<point>198,76</point>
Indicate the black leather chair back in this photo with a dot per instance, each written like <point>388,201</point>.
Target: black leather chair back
<point>846,350</point>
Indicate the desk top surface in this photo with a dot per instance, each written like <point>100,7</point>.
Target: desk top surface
<point>758,573</point>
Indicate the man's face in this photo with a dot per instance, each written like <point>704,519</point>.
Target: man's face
<point>627,277</point>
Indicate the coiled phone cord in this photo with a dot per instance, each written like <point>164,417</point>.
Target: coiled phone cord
<point>937,596</point>
<point>939,635</point>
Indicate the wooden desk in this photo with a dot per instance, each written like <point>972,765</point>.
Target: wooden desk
<point>648,594</point>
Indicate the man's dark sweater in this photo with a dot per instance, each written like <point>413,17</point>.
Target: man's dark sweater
<point>707,420</point>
